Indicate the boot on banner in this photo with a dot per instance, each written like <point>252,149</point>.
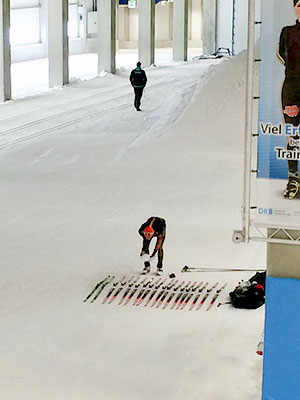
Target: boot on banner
<point>293,186</point>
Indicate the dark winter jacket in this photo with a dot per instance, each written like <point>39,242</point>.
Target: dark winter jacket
<point>157,223</point>
<point>289,50</point>
<point>138,78</point>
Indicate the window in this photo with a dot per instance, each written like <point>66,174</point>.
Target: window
<point>24,22</point>
<point>24,3</point>
<point>75,23</point>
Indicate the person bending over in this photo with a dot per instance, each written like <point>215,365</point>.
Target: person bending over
<point>153,227</point>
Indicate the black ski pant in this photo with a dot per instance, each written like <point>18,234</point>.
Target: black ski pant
<point>138,92</point>
<point>290,96</point>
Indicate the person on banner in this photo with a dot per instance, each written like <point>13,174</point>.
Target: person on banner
<point>138,80</point>
<point>289,54</point>
<point>153,227</point>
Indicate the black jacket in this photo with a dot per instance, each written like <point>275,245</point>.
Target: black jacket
<point>289,50</point>
<point>138,78</point>
<point>158,224</point>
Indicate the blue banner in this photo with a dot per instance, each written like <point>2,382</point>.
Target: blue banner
<point>278,152</point>
<point>276,14</point>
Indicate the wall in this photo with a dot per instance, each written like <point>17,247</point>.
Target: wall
<point>224,22</point>
<point>224,29</point>
<point>40,50</point>
<point>241,25</point>
<point>163,29</point>
<point>195,23</point>
<point>162,26</point>
<point>134,25</point>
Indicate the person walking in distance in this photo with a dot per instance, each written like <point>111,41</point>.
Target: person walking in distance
<point>138,80</point>
<point>153,227</point>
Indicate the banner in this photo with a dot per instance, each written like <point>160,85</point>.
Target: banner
<point>278,154</point>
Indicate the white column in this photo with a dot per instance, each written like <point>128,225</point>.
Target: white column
<point>58,43</point>
<point>180,30</point>
<point>5,56</point>
<point>146,32</point>
<point>209,26</point>
<point>106,36</point>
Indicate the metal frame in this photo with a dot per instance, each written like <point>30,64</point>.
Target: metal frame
<point>233,28</point>
<point>274,234</point>
<point>248,121</point>
<point>5,50</point>
<point>251,230</point>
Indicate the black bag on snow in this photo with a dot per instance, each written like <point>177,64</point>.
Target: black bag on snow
<point>250,294</point>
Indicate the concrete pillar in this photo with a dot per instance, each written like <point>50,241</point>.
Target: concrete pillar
<point>180,30</point>
<point>106,36</point>
<point>281,358</point>
<point>5,56</point>
<point>170,21</point>
<point>209,26</point>
<point>146,32</point>
<point>58,42</point>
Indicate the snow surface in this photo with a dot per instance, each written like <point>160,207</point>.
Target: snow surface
<point>80,170</point>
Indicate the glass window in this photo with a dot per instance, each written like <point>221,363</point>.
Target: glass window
<point>24,3</point>
<point>73,23</point>
<point>24,26</point>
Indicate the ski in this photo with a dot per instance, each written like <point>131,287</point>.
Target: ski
<point>133,291</point>
<point>184,296</point>
<point>216,296</point>
<point>95,288</point>
<point>144,292</point>
<point>113,288</point>
<point>190,295</point>
<point>207,269</point>
<point>127,290</point>
<point>154,291</point>
<point>165,294</point>
<point>197,296</point>
<point>208,291</point>
<point>119,289</point>
<point>172,294</point>
<point>260,346</point>
<point>140,293</point>
<point>101,287</point>
<point>160,293</point>
<point>182,290</point>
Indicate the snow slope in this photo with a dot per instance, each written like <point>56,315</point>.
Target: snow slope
<point>80,170</point>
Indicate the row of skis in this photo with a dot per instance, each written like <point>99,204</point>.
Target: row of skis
<point>157,292</point>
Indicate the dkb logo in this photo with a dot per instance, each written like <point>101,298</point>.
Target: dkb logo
<point>265,211</point>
